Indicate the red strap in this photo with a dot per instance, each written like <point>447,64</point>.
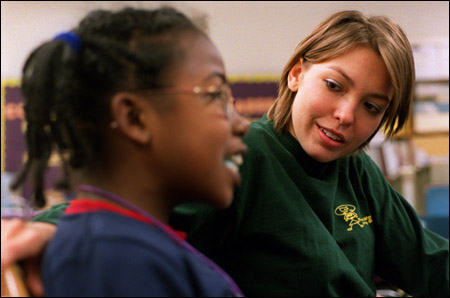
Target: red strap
<point>85,205</point>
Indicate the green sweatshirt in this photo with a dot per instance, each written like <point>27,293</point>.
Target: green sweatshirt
<point>298,227</point>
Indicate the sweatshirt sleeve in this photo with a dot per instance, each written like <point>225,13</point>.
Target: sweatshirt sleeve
<point>52,215</point>
<point>408,255</point>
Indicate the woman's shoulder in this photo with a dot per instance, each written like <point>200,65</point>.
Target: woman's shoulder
<point>364,167</point>
<point>262,135</point>
<point>362,161</point>
<point>262,126</point>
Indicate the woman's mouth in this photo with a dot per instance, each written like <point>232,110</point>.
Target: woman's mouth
<point>332,135</point>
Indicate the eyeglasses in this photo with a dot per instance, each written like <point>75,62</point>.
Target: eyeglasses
<point>222,94</point>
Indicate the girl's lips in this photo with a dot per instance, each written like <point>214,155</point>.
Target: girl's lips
<point>232,164</point>
<point>234,160</point>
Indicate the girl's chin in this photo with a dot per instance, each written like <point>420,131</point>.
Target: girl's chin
<point>223,203</point>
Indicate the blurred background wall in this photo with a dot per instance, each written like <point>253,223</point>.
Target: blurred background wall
<point>254,37</point>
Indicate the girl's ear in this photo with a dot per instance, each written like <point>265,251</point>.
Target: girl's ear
<point>294,74</point>
<point>130,115</point>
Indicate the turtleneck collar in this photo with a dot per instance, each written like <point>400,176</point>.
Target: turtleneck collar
<point>311,166</point>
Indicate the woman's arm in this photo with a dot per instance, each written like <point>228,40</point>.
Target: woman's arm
<point>25,242</point>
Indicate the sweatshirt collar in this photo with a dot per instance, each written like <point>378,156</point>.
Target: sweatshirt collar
<point>311,166</point>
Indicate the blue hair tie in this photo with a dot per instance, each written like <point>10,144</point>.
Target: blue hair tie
<point>71,39</point>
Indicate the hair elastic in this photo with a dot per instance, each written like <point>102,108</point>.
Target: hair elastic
<point>71,39</point>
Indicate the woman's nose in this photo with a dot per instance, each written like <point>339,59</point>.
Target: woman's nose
<point>345,112</point>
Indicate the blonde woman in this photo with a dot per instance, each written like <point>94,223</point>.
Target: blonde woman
<point>314,216</point>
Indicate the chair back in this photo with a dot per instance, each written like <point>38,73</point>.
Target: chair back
<point>13,284</point>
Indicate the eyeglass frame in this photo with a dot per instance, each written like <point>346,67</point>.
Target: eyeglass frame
<point>224,91</point>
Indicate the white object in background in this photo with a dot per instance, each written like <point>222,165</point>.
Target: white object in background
<point>431,59</point>
<point>408,178</point>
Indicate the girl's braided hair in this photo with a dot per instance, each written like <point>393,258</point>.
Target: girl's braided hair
<point>67,89</point>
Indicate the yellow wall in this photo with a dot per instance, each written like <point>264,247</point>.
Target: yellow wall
<point>433,144</point>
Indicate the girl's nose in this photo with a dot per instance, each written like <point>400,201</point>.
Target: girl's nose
<point>240,125</point>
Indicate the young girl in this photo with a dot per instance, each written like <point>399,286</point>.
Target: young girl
<point>138,106</point>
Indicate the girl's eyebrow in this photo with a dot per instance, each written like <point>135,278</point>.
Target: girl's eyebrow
<point>351,82</point>
<point>217,74</point>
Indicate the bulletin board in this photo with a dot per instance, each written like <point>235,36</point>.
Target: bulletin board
<point>254,95</point>
<point>13,137</point>
<point>12,123</point>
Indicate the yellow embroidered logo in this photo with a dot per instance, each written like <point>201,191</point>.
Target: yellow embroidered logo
<point>348,211</point>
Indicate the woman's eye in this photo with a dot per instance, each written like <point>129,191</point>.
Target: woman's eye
<point>372,108</point>
<point>333,86</point>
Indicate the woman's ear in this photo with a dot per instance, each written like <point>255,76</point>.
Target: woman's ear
<point>294,74</point>
<point>130,115</point>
